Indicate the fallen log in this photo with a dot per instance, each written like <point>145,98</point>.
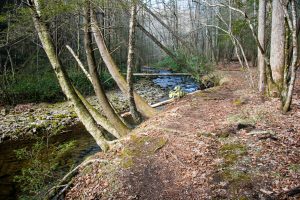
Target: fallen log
<point>161,103</point>
<point>163,74</point>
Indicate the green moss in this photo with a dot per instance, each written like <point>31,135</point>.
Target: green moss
<point>235,176</point>
<point>138,147</point>
<point>58,129</point>
<point>239,102</point>
<point>232,152</point>
<point>31,118</point>
<point>223,134</point>
<point>248,116</point>
<point>205,134</point>
<point>295,168</point>
<point>73,115</point>
<point>60,116</point>
<point>87,169</point>
<point>37,127</point>
<point>201,94</point>
<point>243,198</point>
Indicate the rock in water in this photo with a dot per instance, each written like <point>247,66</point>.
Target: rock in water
<point>4,111</point>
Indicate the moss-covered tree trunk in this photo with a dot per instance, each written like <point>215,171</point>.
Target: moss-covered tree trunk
<point>103,101</point>
<point>142,105</point>
<point>131,45</point>
<point>64,82</point>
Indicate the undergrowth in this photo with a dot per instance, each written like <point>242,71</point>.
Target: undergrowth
<point>41,171</point>
<point>197,65</point>
<point>42,86</point>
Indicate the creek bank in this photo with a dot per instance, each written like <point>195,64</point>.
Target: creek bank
<point>26,120</point>
<point>11,165</point>
<point>222,143</point>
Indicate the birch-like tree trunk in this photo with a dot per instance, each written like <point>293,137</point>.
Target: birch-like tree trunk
<point>142,105</point>
<point>130,64</point>
<point>261,38</point>
<point>277,53</point>
<point>100,93</point>
<point>67,88</point>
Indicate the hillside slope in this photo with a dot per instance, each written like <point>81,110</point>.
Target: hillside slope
<point>223,143</point>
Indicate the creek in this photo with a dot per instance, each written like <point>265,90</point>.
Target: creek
<point>10,165</point>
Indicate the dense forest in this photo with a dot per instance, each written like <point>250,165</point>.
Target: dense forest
<point>156,99</point>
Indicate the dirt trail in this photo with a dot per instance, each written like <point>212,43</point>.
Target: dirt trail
<point>222,143</point>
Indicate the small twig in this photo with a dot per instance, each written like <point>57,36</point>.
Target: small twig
<point>64,189</point>
<point>176,158</point>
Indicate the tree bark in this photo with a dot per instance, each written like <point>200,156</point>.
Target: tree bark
<point>293,27</point>
<point>67,88</point>
<point>131,46</point>
<point>100,93</point>
<point>277,45</point>
<point>261,39</point>
<point>142,105</point>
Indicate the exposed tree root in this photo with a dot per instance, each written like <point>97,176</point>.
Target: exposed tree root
<point>54,193</point>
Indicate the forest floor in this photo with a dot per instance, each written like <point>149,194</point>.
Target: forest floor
<point>226,142</point>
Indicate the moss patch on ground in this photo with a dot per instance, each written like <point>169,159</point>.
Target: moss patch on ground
<point>140,147</point>
<point>232,152</point>
<point>230,170</point>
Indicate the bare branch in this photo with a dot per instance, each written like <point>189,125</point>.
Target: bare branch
<point>79,63</point>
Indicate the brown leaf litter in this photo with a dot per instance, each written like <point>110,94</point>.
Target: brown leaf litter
<point>222,143</point>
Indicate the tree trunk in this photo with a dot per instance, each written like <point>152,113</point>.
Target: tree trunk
<point>174,33</point>
<point>67,88</point>
<point>154,39</point>
<point>261,39</point>
<point>277,45</point>
<point>159,44</point>
<point>103,101</point>
<point>131,46</point>
<point>142,105</point>
<point>293,27</point>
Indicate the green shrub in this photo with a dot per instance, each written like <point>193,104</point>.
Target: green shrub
<point>26,87</point>
<point>42,86</point>
<point>196,65</point>
<point>40,173</point>
<point>168,62</point>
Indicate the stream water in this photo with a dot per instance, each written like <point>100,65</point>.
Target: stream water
<point>186,83</point>
<point>11,166</point>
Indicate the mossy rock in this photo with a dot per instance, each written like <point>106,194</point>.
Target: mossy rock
<point>176,93</point>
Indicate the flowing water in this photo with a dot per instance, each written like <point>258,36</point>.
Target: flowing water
<point>11,166</point>
<point>186,83</point>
